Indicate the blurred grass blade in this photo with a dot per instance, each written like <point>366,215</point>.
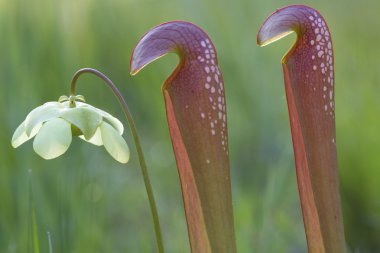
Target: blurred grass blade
<point>309,83</point>
<point>33,221</point>
<point>36,245</point>
<point>50,243</point>
<point>196,115</point>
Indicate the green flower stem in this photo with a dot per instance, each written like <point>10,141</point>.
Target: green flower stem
<point>140,154</point>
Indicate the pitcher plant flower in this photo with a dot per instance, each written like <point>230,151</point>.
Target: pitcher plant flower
<point>308,70</point>
<point>54,123</point>
<point>196,115</point>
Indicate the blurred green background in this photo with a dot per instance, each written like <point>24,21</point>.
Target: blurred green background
<point>90,203</point>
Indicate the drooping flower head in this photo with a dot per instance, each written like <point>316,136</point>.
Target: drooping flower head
<point>53,125</point>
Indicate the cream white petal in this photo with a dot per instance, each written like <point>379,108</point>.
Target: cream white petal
<point>96,139</point>
<point>114,143</point>
<point>41,114</point>
<point>20,136</point>
<point>114,122</point>
<point>86,119</point>
<point>53,139</point>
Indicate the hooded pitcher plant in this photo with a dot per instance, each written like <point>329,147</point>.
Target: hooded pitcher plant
<point>53,125</point>
<point>308,70</point>
<point>196,116</point>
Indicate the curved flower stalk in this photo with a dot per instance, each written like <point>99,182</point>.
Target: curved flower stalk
<point>54,124</point>
<point>196,115</point>
<point>308,70</point>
